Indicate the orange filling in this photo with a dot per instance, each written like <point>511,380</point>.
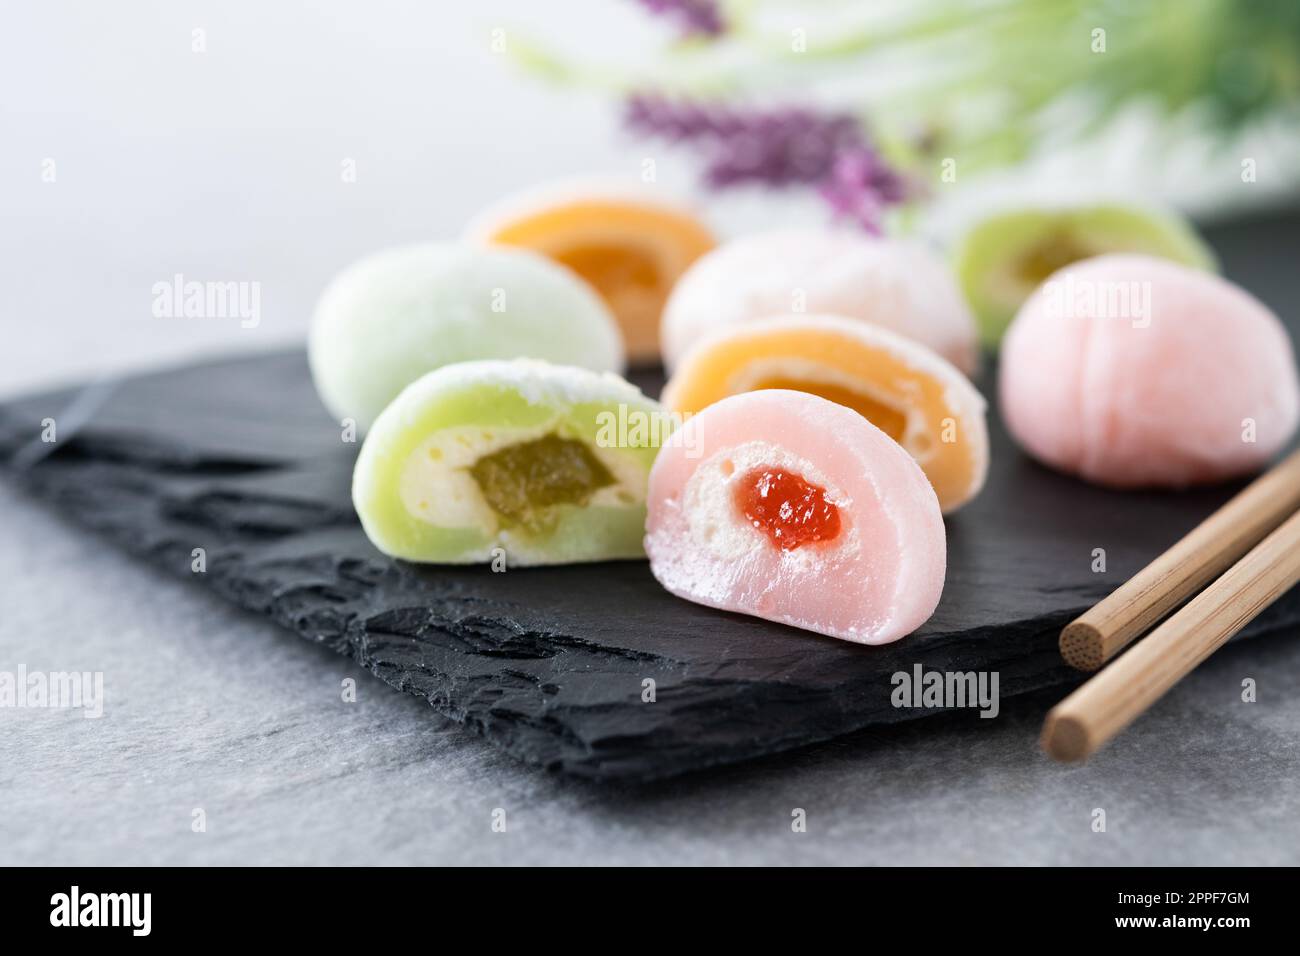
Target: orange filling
<point>631,253</point>
<point>790,511</point>
<point>612,268</point>
<point>885,417</point>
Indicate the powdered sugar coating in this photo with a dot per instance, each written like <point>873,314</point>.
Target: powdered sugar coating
<point>897,284</point>
<point>538,382</point>
<point>394,316</point>
<point>1193,382</point>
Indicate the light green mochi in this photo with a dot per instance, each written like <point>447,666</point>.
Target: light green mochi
<point>393,316</point>
<point>1006,256</point>
<point>442,473</point>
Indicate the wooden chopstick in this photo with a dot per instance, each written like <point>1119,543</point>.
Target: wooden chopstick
<point>1099,634</point>
<point>1111,700</point>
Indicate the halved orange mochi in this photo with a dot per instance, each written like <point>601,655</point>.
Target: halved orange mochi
<point>631,246</point>
<point>906,390</point>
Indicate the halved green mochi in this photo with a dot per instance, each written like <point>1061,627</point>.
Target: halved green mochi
<point>397,314</point>
<point>1006,256</point>
<point>522,461</point>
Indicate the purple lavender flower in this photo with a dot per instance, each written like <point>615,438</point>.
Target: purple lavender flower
<point>694,17</point>
<point>778,147</point>
<point>861,185</point>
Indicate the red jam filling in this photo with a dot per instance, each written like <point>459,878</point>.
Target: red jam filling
<point>789,510</point>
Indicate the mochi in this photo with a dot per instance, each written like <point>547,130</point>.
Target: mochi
<point>792,508</point>
<point>1004,256</point>
<point>1133,371</point>
<point>907,391</point>
<point>897,284</point>
<point>514,462</point>
<point>631,245</point>
<point>395,315</point>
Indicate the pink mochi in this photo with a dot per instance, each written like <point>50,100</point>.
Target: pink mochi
<point>874,582</point>
<point>1132,371</point>
<point>898,284</point>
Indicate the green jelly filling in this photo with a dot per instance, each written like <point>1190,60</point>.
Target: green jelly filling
<point>523,482</point>
<point>1048,255</point>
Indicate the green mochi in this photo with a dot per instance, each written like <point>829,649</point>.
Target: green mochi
<point>394,316</point>
<point>1004,257</point>
<point>511,462</point>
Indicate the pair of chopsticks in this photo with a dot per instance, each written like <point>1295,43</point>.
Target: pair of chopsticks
<point>1246,555</point>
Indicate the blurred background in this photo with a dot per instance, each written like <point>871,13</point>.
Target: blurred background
<point>228,164</point>
<point>277,142</point>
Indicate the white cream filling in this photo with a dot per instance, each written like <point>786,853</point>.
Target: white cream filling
<point>917,435</point>
<point>717,527</point>
<point>436,485</point>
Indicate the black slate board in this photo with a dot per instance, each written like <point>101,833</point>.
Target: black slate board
<point>238,458</point>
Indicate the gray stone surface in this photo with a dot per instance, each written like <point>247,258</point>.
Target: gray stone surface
<point>210,708</point>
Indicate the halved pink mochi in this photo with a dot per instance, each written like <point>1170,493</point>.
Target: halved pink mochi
<point>795,509</point>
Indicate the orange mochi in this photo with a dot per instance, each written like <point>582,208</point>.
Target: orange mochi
<point>909,392</point>
<point>630,245</point>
